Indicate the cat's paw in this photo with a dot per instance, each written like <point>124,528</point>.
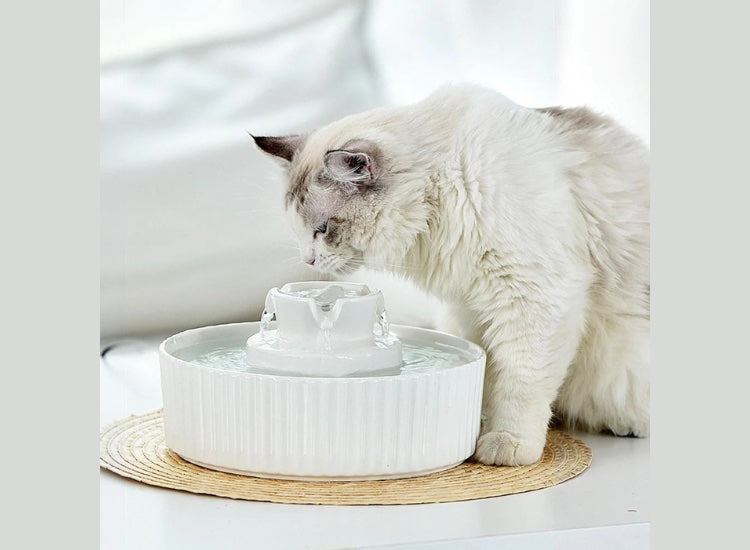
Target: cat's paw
<point>632,429</point>
<point>631,422</point>
<point>504,449</point>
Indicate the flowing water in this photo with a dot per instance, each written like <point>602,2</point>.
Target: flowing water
<point>385,329</point>
<point>265,321</point>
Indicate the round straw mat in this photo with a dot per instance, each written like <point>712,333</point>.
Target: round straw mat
<point>135,448</point>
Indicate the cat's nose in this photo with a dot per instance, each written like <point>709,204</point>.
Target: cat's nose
<point>310,261</point>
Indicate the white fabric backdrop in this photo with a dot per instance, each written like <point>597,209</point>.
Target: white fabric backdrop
<point>191,226</point>
<point>192,231</point>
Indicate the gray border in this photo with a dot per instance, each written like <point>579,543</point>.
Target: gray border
<point>699,273</point>
<point>50,242</point>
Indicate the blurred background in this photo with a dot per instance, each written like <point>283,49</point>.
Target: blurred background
<point>192,231</point>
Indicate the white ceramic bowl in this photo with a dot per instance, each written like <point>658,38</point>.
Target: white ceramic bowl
<point>297,427</point>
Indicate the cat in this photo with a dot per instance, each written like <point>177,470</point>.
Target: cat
<point>531,224</point>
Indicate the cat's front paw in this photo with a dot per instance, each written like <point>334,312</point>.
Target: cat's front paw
<point>505,449</point>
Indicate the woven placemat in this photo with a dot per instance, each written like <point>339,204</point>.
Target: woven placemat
<point>135,448</point>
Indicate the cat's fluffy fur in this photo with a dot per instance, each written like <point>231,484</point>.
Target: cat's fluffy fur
<point>532,224</point>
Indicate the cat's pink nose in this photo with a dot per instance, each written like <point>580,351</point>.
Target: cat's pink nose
<point>310,261</point>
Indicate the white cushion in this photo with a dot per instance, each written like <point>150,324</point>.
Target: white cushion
<point>192,231</point>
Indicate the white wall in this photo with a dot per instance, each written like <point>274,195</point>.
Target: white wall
<point>537,52</point>
<point>136,28</point>
<point>508,45</point>
<point>604,59</point>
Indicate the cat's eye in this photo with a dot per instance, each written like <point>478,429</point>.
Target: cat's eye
<point>321,229</point>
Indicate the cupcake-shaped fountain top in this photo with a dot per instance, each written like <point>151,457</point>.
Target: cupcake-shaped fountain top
<point>339,329</point>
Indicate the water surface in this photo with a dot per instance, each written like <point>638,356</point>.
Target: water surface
<point>418,356</point>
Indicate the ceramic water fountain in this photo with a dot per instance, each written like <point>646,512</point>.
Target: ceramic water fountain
<point>322,388</point>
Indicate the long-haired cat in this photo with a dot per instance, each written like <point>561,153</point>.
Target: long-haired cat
<point>533,224</point>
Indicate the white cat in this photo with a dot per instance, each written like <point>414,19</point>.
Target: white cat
<point>532,223</point>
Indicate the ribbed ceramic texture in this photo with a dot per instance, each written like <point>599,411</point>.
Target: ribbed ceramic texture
<point>134,448</point>
<point>342,428</point>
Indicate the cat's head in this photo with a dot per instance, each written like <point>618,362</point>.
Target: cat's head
<point>345,202</point>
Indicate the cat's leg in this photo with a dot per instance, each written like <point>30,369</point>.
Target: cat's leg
<point>608,385</point>
<point>530,346</point>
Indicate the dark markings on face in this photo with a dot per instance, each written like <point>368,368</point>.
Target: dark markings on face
<point>334,198</point>
<point>297,193</point>
<point>333,235</point>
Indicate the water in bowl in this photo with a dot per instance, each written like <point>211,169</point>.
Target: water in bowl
<point>418,357</point>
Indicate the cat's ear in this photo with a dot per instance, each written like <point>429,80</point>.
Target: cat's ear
<point>355,168</point>
<point>284,147</point>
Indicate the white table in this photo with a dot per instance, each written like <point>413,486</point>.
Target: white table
<point>607,506</point>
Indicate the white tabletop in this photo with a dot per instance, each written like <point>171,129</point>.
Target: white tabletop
<point>605,506</point>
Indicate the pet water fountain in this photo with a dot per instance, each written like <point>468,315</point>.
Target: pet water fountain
<point>322,388</point>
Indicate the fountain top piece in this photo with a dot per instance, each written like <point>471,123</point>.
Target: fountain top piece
<point>326,294</point>
<point>324,329</point>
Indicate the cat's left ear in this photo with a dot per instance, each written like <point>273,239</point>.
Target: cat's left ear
<point>284,147</point>
<point>353,168</point>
